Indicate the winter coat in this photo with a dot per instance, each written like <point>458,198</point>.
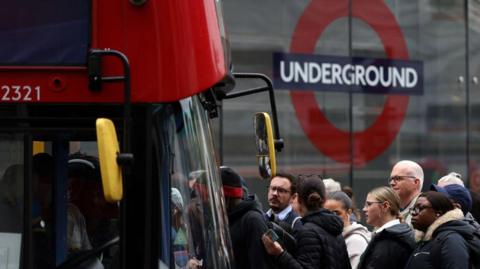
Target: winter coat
<point>390,248</point>
<point>453,247</point>
<point>319,243</point>
<point>247,225</point>
<point>290,223</point>
<point>357,238</point>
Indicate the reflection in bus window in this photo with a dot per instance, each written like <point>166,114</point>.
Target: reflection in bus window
<point>11,200</point>
<point>199,236</point>
<point>59,29</point>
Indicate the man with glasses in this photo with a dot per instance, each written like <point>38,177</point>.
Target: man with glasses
<point>281,193</point>
<point>406,179</point>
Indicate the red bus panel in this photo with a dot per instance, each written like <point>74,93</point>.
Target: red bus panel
<point>173,46</point>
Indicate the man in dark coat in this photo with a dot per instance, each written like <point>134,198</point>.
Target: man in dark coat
<point>247,224</point>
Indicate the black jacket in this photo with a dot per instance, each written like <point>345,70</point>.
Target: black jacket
<point>447,235</point>
<point>319,243</point>
<point>247,225</point>
<point>390,248</point>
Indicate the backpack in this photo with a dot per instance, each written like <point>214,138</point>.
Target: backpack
<point>473,243</point>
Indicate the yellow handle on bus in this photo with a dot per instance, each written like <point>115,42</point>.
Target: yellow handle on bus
<point>107,153</point>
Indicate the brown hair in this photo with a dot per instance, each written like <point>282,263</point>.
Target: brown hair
<point>311,191</point>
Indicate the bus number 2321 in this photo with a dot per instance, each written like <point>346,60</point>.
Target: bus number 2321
<point>20,93</point>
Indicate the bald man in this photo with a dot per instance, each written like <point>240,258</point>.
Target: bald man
<point>406,179</point>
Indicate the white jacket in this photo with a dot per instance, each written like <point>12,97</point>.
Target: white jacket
<point>356,237</point>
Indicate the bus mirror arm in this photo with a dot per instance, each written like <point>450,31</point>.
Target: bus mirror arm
<point>96,79</point>
<point>279,143</point>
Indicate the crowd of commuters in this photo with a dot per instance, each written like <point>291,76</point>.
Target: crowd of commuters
<point>408,228</point>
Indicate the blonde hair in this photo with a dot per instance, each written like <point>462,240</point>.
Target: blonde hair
<point>386,194</point>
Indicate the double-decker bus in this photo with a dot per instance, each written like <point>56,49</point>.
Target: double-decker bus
<point>157,70</point>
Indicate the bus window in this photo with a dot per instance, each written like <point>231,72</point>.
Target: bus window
<point>59,29</point>
<point>11,200</point>
<point>69,215</point>
<point>189,182</point>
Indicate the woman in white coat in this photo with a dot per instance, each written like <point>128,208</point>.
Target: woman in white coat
<point>356,235</point>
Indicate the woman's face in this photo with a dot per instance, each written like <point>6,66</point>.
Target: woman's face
<point>373,211</point>
<point>338,209</point>
<point>423,214</point>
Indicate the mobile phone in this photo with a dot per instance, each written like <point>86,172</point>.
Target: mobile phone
<point>273,235</point>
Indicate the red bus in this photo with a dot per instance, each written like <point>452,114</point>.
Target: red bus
<point>157,70</point>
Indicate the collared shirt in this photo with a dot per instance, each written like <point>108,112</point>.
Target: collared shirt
<point>406,212</point>
<point>282,215</point>
<point>387,225</point>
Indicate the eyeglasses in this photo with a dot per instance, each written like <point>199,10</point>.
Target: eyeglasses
<point>398,178</point>
<point>279,190</point>
<point>417,209</point>
<point>369,203</point>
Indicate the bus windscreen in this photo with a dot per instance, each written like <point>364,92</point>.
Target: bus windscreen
<point>44,33</point>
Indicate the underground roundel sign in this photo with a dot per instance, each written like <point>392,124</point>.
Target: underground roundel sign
<point>331,141</point>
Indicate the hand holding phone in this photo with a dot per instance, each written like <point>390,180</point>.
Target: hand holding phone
<point>273,235</point>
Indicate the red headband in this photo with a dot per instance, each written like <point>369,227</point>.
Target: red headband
<point>234,192</point>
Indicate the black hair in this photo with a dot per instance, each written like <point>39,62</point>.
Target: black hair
<point>311,191</point>
<point>43,164</point>
<point>439,201</point>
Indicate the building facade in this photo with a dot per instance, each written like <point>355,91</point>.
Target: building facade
<point>356,135</point>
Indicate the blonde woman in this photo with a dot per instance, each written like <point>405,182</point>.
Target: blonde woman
<point>392,241</point>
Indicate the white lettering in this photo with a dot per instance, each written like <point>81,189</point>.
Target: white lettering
<point>28,93</point>
<point>347,77</point>
<point>326,73</point>
<point>6,93</point>
<point>19,93</point>
<point>299,71</point>
<point>398,76</point>
<point>388,82</point>
<point>368,75</point>
<point>16,93</point>
<point>326,70</point>
<point>314,73</point>
<point>336,71</point>
<point>282,72</point>
<point>359,73</point>
<point>412,77</point>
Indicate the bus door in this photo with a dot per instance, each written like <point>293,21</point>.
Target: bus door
<point>14,169</point>
<point>51,206</point>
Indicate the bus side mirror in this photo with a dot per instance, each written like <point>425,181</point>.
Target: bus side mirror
<point>265,145</point>
<point>108,150</point>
